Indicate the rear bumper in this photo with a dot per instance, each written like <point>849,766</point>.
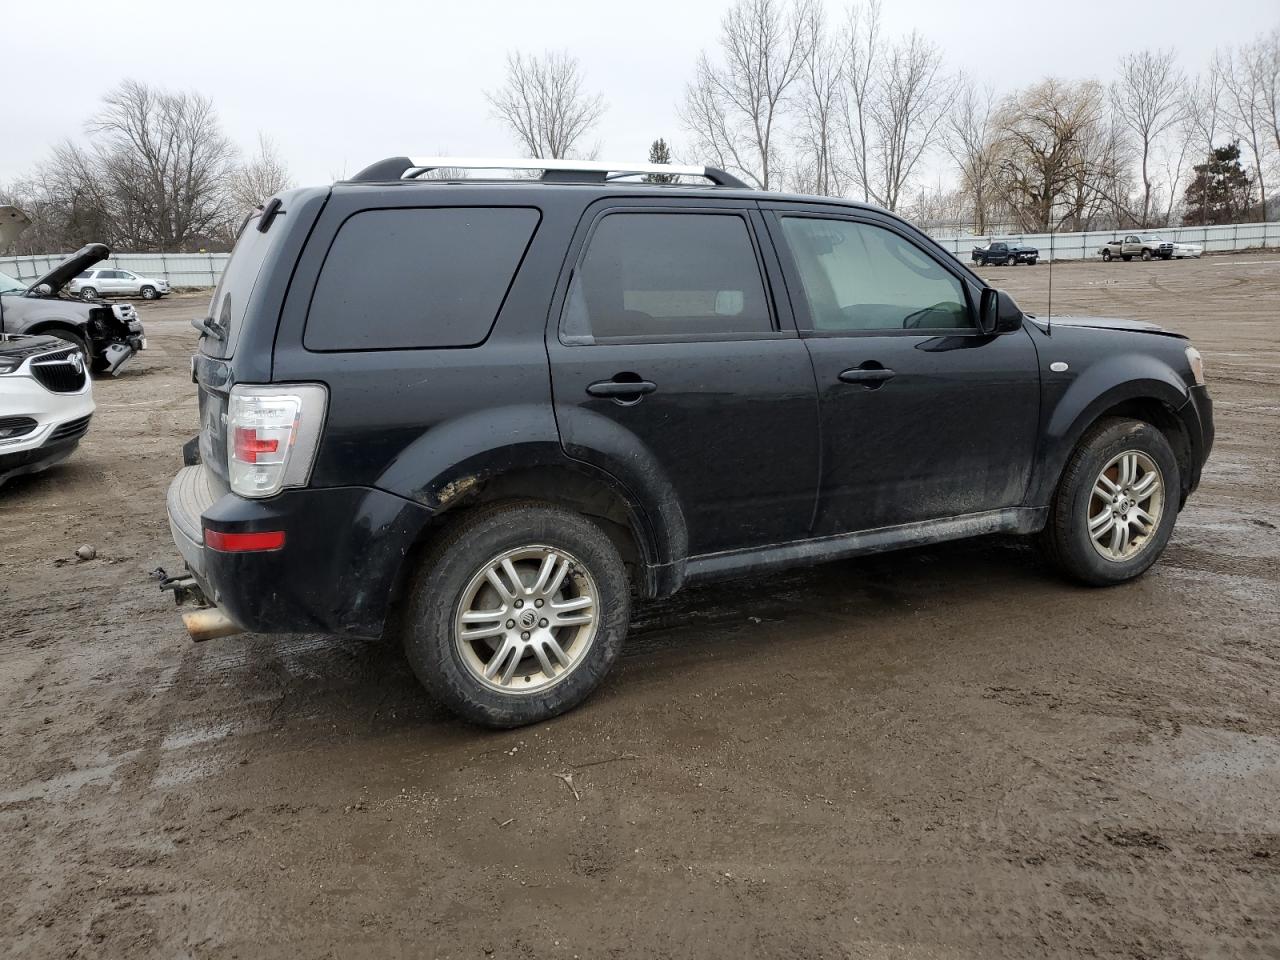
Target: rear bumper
<point>343,557</point>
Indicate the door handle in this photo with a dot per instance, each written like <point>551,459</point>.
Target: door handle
<point>622,390</point>
<point>871,377</point>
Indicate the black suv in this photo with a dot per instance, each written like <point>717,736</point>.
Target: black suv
<point>480,414</point>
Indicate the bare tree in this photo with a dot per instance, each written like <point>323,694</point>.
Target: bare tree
<point>1056,157</point>
<point>259,178</point>
<point>734,109</point>
<point>969,137</point>
<point>862,61</point>
<point>1268,58</point>
<point>818,169</point>
<point>1148,100</point>
<point>545,104</point>
<point>166,161</point>
<point>1243,80</point>
<point>1202,116</point>
<point>908,114</point>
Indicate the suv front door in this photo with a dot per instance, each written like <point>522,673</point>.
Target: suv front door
<point>671,360</point>
<point>923,416</point>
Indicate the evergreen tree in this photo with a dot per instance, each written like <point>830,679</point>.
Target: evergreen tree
<point>1221,191</point>
<point>660,153</point>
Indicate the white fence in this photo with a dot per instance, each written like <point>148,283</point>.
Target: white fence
<point>1084,246</point>
<point>204,269</point>
<point>180,269</point>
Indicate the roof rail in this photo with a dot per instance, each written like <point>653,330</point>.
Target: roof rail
<point>598,171</point>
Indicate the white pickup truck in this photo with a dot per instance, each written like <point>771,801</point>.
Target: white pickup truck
<point>1135,245</point>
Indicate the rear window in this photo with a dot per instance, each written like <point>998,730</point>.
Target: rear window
<point>416,278</point>
<point>235,287</point>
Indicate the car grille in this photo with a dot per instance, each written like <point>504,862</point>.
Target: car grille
<point>61,372</point>
<point>71,430</point>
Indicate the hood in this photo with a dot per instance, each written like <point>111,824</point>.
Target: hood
<point>1113,323</point>
<point>78,262</point>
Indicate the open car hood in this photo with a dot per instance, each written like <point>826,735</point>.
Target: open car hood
<point>78,262</point>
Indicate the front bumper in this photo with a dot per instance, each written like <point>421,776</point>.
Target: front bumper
<point>61,420</point>
<point>343,557</point>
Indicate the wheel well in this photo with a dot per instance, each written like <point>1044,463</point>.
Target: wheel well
<point>562,486</point>
<point>1163,417</point>
<point>49,326</point>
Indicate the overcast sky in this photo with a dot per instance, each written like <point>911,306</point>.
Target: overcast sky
<point>339,86</point>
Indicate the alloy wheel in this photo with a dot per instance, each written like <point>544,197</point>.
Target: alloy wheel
<point>526,619</point>
<point>1125,506</point>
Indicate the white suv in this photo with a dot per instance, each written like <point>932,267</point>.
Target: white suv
<point>46,401</point>
<point>114,282</point>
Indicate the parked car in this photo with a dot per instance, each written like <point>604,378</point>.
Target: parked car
<point>1187,250</point>
<point>114,282</point>
<point>46,402</point>
<point>1005,254</point>
<point>109,335</point>
<point>1134,245</point>
<point>593,388</point>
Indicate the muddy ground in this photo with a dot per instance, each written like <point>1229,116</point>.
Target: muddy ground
<point>946,753</point>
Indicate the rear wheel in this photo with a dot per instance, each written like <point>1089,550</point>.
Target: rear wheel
<point>88,293</point>
<point>517,614</point>
<point>1116,504</point>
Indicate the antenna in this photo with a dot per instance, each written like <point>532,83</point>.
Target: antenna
<point>1048,320</point>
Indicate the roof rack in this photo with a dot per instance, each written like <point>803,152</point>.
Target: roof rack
<point>567,171</point>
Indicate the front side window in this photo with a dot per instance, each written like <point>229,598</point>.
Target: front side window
<point>857,276</point>
<point>663,276</point>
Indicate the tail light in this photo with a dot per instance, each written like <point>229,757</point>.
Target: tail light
<point>272,436</point>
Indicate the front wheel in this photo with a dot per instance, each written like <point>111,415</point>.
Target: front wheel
<point>1126,257</point>
<point>1033,261</point>
<point>1115,506</point>
<point>148,293</point>
<point>517,614</point>
<point>1146,256</point>
<point>1106,256</point>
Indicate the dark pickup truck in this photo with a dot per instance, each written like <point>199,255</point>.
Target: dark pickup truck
<point>1005,254</point>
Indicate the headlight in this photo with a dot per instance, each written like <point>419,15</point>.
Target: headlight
<point>1197,365</point>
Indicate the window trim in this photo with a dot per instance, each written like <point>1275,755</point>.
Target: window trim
<point>612,206</point>
<point>502,303</point>
<point>800,299</point>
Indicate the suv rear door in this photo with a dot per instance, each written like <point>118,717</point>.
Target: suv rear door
<point>669,354</point>
<point>923,417</point>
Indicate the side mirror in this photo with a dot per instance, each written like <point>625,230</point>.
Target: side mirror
<point>998,312</point>
<point>44,290</point>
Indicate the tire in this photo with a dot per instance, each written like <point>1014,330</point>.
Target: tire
<point>1146,256</point>
<point>1126,257</point>
<point>452,581</point>
<point>148,292</point>
<point>1106,256</point>
<point>1076,504</point>
<point>74,340</point>
<point>1011,261</point>
<point>88,293</point>
<point>1032,262</point>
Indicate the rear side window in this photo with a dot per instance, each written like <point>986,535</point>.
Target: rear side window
<point>660,276</point>
<point>422,277</point>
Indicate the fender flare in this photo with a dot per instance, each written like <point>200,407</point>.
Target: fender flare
<point>1101,387</point>
<point>441,468</point>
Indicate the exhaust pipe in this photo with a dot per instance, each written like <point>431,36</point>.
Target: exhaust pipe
<point>209,624</point>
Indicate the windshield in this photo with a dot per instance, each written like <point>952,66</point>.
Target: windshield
<point>10,285</point>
